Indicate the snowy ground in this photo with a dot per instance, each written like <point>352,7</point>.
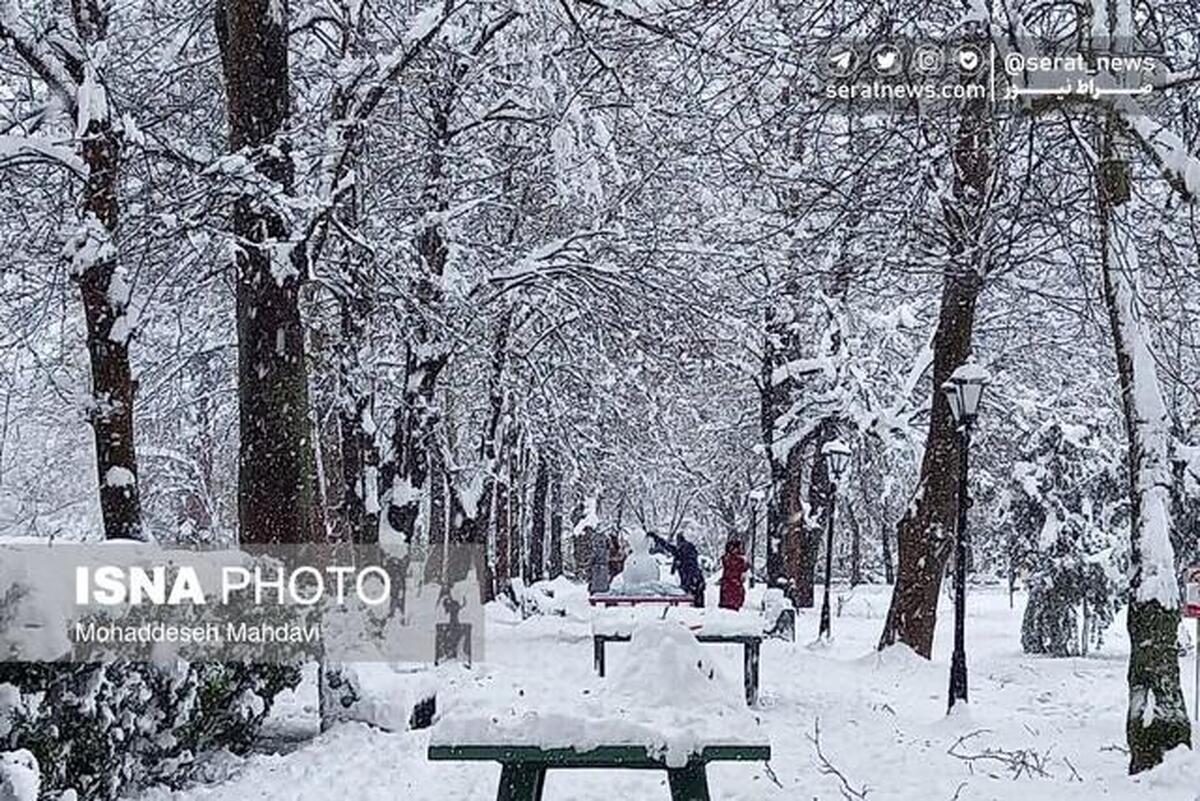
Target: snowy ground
<point>1035,729</point>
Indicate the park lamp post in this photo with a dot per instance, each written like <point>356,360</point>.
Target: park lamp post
<point>837,457</point>
<point>756,497</point>
<point>963,392</point>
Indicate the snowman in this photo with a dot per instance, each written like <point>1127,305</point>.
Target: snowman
<point>640,567</point>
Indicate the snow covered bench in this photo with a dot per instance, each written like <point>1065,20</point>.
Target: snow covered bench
<point>670,709</point>
<point>720,626</point>
<point>751,648</point>
<point>523,767</point>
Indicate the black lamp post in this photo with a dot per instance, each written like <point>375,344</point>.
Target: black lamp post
<point>963,391</point>
<point>837,457</point>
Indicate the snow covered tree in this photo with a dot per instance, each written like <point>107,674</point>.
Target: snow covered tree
<point>925,533</point>
<point>74,72</point>
<point>1068,505</point>
<point>1157,719</point>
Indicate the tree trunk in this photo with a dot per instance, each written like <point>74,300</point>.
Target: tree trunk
<point>556,518</point>
<point>419,416</point>
<point>820,503</point>
<point>360,454</point>
<point>801,557</point>
<point>855,545</point>
<point>275,458</point>
<point>472,490</point>
<point>777,521</point>
<point>437,528</point>
<point>1157,719</point>
<point>355,291</point>
<point>926,531</point>
<point>94,264</point>
<point>889,571</point>
<point>105,302</point>
<point>516,505</point>
<point>537,531</point>
<point>503,528</point>
<point>414,441</point>
<point>470,526</point>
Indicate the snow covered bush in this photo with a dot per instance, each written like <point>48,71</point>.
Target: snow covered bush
<point>559,597</point>
<point>1068,515</point>
<point>19,776</point>
<point>392,697</point>
<point>102,729</point>
<point>1185,501</point>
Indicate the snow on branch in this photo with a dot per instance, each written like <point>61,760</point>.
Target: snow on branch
<point>364,86</point>
<point>1168,152</point>
<point>32,148</point>
<point>1016,763</point>
<point>1155,577</point>
<point>827,768</point>
<point>46,64</point>
<point>798,368</point>
<point>571,256</point>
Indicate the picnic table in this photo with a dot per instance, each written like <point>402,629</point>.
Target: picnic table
<point>746,628</point>
<point>751,649</point>
<point>608,599</point>
<point>523,767</point>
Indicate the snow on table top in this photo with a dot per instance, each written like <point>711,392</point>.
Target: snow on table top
<point>622,621</point>
<point>671,700</point>
<point>657,588</point>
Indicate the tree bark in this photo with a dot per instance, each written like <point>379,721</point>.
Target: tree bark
<point>276,482</point>
<point>820,503</point>
<point>556,518</point>
<point>889,570</point>
<point>516,503</point>
<point>1157,719</point>
<point>503,526</point>
<point>360,454</point>
<point>105,303</point>
<point>537,531</point>
<point>776,517</point>
<point>800,561</point>
<point>472,491</point>
<point>355,291</point>
<point>855,545</point>
<point>418,417</point>
<point>926,531</point>
<point>94,262</point>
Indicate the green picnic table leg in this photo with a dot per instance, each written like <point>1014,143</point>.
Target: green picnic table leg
<point>689,783</point>
<point>750,660</point>
<point>521,782</point>
<point>598,654</point>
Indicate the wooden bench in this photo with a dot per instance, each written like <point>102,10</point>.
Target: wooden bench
<point>751,648</point>
<point>523,768</point>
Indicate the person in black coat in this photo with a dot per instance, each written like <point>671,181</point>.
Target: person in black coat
<point>686,564</point>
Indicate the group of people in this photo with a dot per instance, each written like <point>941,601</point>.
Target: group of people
<point>685,563</point>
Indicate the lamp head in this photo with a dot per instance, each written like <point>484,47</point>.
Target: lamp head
<point>964,391</point>
<point>837,458</point>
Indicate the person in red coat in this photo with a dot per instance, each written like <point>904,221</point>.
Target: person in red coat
<point>734,567</point>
